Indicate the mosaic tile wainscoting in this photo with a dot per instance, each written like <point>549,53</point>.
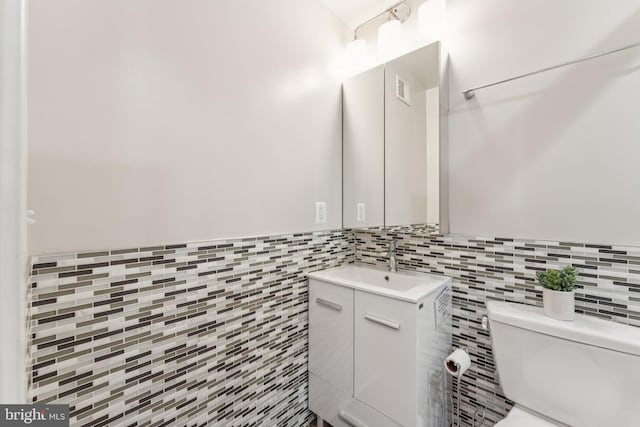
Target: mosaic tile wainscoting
<point>207,333</point>
<point>504,269</point>
<point>215,333</point>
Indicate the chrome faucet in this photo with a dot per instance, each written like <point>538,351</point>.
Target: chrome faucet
<point>393,253</point>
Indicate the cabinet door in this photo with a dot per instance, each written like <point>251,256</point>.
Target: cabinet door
<point>331,334</point>
<point>385,356</point>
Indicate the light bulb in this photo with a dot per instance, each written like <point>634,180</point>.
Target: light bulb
<point>432,17</point>
<point>356,56</point>
<point>389,37</point>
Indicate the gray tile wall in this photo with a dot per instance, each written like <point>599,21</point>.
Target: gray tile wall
<point>192,334</point>
<point>216,332</point>
<point>504,269</point>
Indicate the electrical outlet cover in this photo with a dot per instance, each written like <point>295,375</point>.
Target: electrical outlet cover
<point>321,212</point>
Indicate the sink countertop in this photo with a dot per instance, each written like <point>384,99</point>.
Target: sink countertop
<point>409,286</point>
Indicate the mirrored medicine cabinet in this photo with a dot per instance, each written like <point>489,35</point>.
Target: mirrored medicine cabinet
<point>395,144</point>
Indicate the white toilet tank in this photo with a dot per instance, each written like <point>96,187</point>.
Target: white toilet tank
<point>584,373</point>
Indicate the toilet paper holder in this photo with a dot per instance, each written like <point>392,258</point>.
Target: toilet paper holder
<point>457,363</point>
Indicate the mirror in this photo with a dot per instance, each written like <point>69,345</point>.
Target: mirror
<point>394,144</point>
<point>363,149</point>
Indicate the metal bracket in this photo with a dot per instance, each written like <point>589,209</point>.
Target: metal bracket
<point>485,322</point>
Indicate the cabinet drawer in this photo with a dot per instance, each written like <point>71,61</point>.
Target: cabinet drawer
<point>331,334</point>
<point>385,356</point>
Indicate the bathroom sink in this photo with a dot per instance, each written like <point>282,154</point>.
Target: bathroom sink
<point>405,285</point>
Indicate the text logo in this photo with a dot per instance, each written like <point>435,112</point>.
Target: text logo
<point>34,415</point>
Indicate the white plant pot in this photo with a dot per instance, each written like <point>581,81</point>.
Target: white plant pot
<point>559,305</point>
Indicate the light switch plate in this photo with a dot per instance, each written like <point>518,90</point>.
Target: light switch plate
<point>321,212</point>
<point>360,212</point>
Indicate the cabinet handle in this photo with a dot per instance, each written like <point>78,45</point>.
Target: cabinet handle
<point>383,322</point>
<point>330,304</point>
<point>349,419</point>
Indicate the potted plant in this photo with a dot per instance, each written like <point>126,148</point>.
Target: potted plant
<point>558,295</point>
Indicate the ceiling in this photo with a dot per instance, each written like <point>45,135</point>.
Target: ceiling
<point>355,12</point>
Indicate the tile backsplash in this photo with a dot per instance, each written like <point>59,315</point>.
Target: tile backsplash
<point>216,332</point>
<point>191,334</point>
<point>503,269</point>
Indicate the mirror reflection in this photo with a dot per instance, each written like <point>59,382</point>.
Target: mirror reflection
<point>392,144</point>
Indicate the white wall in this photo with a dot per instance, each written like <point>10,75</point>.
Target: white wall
<point>130,103</point>
<point>555,155</point>
<point>166,121</point>
<point>12,205</point>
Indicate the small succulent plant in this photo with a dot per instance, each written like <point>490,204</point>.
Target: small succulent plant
<point>563,280</point>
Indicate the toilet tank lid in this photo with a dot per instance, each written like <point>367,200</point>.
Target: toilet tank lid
<point>584,329</point>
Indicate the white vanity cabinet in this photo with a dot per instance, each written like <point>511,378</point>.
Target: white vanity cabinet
<point>331,356</point>
<point>385,355</point>
<point>376,352</point>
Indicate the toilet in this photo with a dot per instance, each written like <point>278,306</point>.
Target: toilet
<point>582,373</point>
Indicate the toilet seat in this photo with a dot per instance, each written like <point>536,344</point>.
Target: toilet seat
<point>518,417</point>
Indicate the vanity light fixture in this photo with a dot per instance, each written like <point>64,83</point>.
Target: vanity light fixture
<point>389,36</point>
<point>389,33</point>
